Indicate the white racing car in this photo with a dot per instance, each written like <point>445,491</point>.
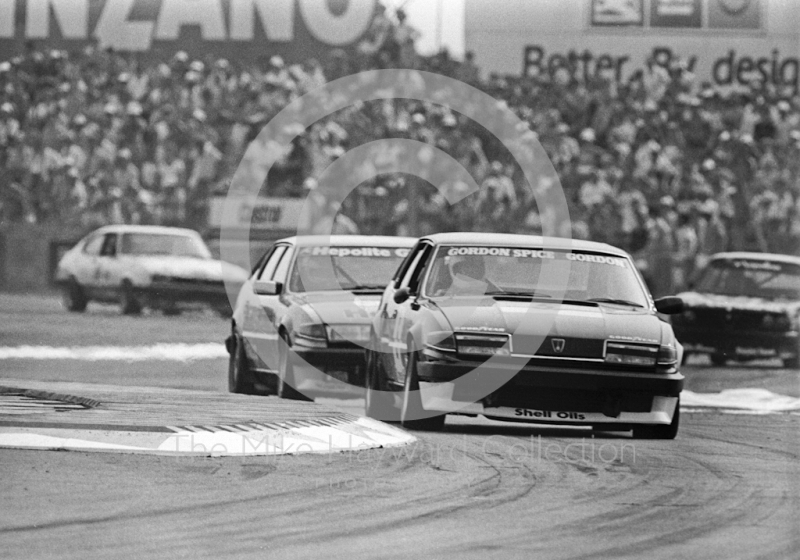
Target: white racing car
<point>145,266</point>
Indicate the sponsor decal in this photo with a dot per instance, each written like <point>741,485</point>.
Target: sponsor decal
<point>528,413</point>
<point>632,338</point>
<point>766,352</point>
<point>382,252</point>
<point>758,265</point>
<point>535,254</point>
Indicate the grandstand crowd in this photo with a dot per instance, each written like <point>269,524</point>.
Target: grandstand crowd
<point>660,164</point>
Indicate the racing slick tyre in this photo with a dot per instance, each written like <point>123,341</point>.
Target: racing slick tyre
<point>286,379</point>
<point>718,359</point>
<point>660,431</point>
<point>379,402</point>
<point>74,298</point>
<point>412,413</point>
<point>127,299</point>
<point>240,378</point>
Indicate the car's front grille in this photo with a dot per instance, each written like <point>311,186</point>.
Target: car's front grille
<point>557,347</point>
<point>734,319</point>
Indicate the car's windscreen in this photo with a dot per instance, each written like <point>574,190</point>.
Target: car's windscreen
<point>463,270</point>
<point>753,278</point>
<point>344,268</point>
<point>164,244</point>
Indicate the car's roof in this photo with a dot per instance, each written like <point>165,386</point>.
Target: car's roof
<point>125,228</point>
<point>350,240</point>
<point>514,240</point>
<point>743,255</point>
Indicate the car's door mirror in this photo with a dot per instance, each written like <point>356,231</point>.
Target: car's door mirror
<point>669,305</point>
<point>402,295</point>
<point>267,288</point>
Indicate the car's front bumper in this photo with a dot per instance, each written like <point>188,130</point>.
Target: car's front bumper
<point>738,344</point>
<point>539,393</point>
<point>347,363</point>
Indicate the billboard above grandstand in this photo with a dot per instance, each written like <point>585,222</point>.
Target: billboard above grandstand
<point>724,42</point>
<point>294,29</point>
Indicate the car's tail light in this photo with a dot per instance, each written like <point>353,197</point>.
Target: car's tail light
<point>631,354</point>
<point>483,344</point>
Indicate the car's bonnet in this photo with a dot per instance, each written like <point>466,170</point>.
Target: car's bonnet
<point>573,321</point>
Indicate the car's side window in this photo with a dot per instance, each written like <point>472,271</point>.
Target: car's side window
<point>403,268</point>
<point>109,248</point>
<point>272,263</point>
<point>419,268</point>
<point>92,246</point>
<point>283,267</point>
<point>415,266</point>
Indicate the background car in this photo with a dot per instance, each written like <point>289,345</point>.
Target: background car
<point>307,309</point>
<point>465,301</point>
<point>145,266</point>
<point>744,306</point>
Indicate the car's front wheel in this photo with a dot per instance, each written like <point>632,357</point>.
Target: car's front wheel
<point>286,380</point>
<point>74,297</point>
<point>660,431</point>
<point>240,378</point>
<point>128,301</point>
<point>379,402</point>
<point>413,416</point>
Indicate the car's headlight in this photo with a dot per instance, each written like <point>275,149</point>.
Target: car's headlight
<point>631,354</point>
<point>348,333</point>
<point>483,344</point>
<point>441,340</point>
<point>310,334</point>
<point>667,355</point>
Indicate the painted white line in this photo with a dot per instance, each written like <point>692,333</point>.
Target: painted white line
<point>157,352</point>
<point>756,401</point>
<point>353,435</point>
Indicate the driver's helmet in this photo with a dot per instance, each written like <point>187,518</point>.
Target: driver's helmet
<point>470,266</point>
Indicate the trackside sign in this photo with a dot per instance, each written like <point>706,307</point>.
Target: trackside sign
<point>295,29</point>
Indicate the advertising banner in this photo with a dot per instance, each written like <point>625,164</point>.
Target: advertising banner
<point>676,13</point>
<point>294,29</point>
<point>734,14</point>
<point>271,214</point>
<point>617,12</point>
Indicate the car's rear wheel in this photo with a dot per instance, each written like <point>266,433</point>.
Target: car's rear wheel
<point>128,301</point>
<point>286,380</point>
<point>413,416</point>
<point>74,297</point>
<point>380,403</point>
<point>718,359</point>
<point>240,377</point>
<point>660,431</point>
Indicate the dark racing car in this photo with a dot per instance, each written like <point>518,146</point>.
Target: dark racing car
<point>307,307</point>
<point>744,306</point>
<point>486,324</point>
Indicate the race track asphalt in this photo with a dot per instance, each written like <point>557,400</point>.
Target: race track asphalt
<point>727,487</point>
